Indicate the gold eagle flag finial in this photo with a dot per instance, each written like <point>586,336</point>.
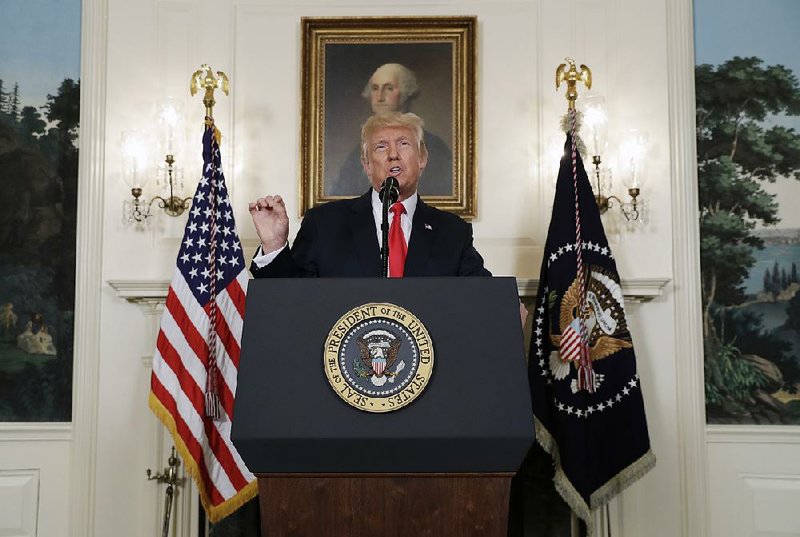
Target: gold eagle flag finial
<point>204,78</point>
<point>567,72</point>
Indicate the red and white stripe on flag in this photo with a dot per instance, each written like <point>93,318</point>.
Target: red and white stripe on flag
<point>181,361</point>
<point>570,345</point>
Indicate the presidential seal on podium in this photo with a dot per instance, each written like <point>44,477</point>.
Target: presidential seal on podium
<point>378,357</point>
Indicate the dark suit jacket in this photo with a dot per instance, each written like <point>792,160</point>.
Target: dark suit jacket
<point>338,239</point>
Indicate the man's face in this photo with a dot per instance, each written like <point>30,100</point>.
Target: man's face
<point>395,151</point>
<point>385,95</point>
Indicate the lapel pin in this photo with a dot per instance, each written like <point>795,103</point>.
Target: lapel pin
<point>428,227</point>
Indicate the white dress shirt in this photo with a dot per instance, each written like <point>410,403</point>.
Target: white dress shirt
<point>262,260</point>
<point>405,220</point>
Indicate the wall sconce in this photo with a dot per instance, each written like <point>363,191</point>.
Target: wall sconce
<point>632,153</point>
<point>169,177</point>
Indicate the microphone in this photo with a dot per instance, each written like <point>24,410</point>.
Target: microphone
<point>391,188</point>
<point>390,191</point>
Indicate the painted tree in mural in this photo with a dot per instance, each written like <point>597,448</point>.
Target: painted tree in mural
<point>737,153</point>
<point>31,124</point>
<point>63,110</point>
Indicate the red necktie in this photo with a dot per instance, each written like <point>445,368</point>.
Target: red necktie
<point>397,242</point>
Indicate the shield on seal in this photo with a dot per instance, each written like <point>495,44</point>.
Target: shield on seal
<point>379,350</point>
<point>379,365</point>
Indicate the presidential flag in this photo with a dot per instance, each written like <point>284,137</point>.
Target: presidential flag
<point>586,392</point>
<point>196,362</point>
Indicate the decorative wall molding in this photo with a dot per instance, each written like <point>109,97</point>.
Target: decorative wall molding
<point>88,274</point>
<point>686,270</point>
<point>36,432</point>
<point>154,292</point>
<point>141,291</point>
<point>753,434</point>
<point>634,289</point>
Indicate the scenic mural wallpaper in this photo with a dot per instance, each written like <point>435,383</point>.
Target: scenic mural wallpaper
<point>39,111</point>
<point>748,151</point>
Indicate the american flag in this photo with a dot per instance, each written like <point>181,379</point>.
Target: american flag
<point>196,362</point>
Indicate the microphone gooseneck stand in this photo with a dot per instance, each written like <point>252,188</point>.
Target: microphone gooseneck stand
<point>390,191</point>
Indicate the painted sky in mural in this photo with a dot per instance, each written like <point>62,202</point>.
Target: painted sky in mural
<point>39,64</point>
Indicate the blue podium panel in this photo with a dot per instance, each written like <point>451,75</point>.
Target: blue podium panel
<point>474,415</point>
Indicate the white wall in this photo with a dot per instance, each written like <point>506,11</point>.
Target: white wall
<point>151,48</point>
<point>520,43</point>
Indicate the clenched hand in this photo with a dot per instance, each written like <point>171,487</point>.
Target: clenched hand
<point>271,222</point>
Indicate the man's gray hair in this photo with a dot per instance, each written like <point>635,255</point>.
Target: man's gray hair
<point>377,122</point>
<point>405,78</point>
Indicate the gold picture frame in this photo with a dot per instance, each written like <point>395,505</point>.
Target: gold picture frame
<point>340,55</point>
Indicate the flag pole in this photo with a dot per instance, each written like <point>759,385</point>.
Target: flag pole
<point>204,78</point>
<point>569,74</point>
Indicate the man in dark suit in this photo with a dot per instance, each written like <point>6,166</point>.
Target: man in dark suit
<point>342,238</point>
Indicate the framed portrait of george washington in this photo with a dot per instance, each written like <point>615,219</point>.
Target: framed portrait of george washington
<point>354,67</point>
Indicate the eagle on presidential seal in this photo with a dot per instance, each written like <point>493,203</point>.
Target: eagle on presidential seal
<point>379,350</point>
<point>603,316</point>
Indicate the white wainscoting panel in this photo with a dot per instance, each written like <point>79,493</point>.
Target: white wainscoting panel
<point>775,501</point>
<point>35,479</point>
<point>754,481</point>
<point>19,502</point>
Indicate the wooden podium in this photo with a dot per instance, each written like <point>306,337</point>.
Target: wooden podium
<point>387,505</point>
<point>438,467</point>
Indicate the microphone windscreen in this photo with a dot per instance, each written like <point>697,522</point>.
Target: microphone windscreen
<point>390,188</point>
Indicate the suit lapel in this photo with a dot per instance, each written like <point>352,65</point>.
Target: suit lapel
<point>422,238</point>
<point>365,240</point>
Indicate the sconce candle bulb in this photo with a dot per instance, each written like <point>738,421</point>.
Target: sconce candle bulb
<point>634,152</point>
<point>595,123</point>
<point>134,158</point>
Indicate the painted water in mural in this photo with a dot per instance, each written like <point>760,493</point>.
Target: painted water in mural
<point>39,103</point>
<point>748,149</point>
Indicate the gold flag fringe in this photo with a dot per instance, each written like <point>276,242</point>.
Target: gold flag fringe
<point>215,513</point>
<point>604,494</point>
